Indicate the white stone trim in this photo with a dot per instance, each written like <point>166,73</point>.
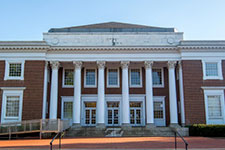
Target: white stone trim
<point>135,86</point>
<point>12,88</point>
<point>214,93</point>
<point>7,63</point>
<point>90,86</point>
<point>11,92</point>
<point>118,78</point>
<point>219,65</point>
<point>213,87</point>
<point>162,72</point>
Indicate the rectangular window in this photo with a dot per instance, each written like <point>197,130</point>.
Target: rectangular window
<point>12,103</point>
<point>12,106</point>
<point>113,78</point>
<point>214,107</point>
<point>90,77</point>
<point>135,78</point>
<point>14,70</point>
<point>68,110</point>
<point>212,70</point>
<point>68,77</point>
<point>157,77</point>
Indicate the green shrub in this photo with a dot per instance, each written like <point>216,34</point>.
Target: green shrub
<point>207,130</point>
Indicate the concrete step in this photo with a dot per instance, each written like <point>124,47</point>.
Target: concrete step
<point>113,132</point>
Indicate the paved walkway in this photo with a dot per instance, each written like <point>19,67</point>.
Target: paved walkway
<point>116,143</point>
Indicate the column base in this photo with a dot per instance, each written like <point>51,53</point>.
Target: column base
<point>126,126</point>
<point>174,126</point>
<point>100,126</point>
<point>183,124</point>
<point>76,126</point>
<point>150,125</point>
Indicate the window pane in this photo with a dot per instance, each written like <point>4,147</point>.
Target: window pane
<point>68,110</point>
<point>214,107</point>
<point>135,77</point>
<point>15,70</point>
<point>113,77</point>
<point>158,110</point>
<point>157,76</point>
<point>68,78</point>
<point>12,106</point>
<point>211,69</point>
<point>90,76</point>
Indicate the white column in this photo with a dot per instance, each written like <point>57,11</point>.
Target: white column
<point>101,94</point>
<point>172,93</point>
<point>77,92</point>
<point>54,90</point>
<point>45,88</point>
<point>125,94</point>
<point>181,94</point>
<point>149,93</point>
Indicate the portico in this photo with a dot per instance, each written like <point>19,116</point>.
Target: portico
<point>120,109</point>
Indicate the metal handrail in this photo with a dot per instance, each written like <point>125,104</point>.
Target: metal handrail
<point>185,142</point>
<point>60,134</point>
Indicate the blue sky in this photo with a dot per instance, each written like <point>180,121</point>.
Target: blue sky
<point>28,19</point>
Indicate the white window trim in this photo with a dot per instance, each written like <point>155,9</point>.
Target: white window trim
<point>7,77</point>
<point>135,86</point>
<point>63,79</point>
<point>211,92</point>
<point>219,65</point>
<point>161,85</point>
<point>90,86</point>
<point>11,92</point>
<point>118,78</point>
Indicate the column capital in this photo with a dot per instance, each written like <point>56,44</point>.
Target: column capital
<point>46,63</point>
<point>148,64</point>
<point>171,64</point>
<point>125,64</point>
<point>180,64</point>
<point>77,64</point>
<point>101,64</point>
<point>55,64</point>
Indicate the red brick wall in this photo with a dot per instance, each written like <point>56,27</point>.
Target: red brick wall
<point>193,94</point>
<point>33,94</point>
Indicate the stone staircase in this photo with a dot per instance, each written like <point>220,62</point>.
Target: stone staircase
<point>113,132</point>
<point>123,132</point>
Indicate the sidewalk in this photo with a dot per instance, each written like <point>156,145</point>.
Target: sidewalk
<point>118,143</point>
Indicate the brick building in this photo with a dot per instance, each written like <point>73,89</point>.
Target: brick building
<point>113,74</point>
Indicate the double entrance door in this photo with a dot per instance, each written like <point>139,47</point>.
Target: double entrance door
<point>135,113</point>
<point>113,115</point>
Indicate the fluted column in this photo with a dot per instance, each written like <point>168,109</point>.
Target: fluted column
<point>172,93</point>
<point>181,93</point>
<point>101,94</point>
<point>149,94</point>
<point>125,94</point>
<point>54,90</point>
<point>77,92</point>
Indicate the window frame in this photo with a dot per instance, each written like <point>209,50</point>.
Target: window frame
<point>63,79</point>
<point>7,65</point>
<point>90,86</point>
<point>219,71</point>
<point>135,86</point>
<point>162,73</point>
<point>118,78</point>
<point>11,92</point>
<point>214,92</point>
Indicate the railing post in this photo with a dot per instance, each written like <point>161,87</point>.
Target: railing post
<point>60,140</point>
<point>9,133</point>
<point>50,146</point>
<point>175,140</point>
<point>40,128</point>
